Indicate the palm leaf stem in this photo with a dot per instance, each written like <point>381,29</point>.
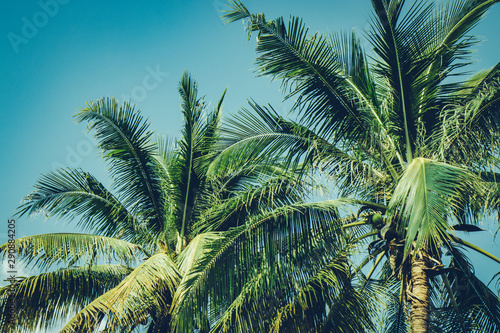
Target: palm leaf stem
<point>367,259</point>
<point>409,154</point>
<point>355,224</point>
<point>371,233</point>
<point>374,267</point>
<point>475,248</point>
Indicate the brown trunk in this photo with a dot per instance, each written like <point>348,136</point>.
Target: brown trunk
<point>421,306</point>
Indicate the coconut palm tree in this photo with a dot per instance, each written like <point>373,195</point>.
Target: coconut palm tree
<point>180,243</point>
<point>403,132</point>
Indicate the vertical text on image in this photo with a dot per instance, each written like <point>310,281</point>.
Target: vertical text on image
<point>11,271</point>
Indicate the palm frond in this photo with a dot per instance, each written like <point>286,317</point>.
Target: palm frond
<point>273,187</point>
<point>309,67</point>
<point>251,309</point>
<point>395,318</point>
<point>146,290</point>
<point>400,39</point>
<point>424,200</point>
<point>47,299</point>
<point>267,237</point>
<point>479,306</point>
<point>327,303</point>
<point>248,137</point>
<point>211,131</point>
<point>295,294</point>
<point>123,136</point>
<point>194,251</point>
<point>468,130</point>
<point>45,250</point>
<point>166,157</point>
<point>191,149</point>
<point>76,194</point>
<point>453,20</point>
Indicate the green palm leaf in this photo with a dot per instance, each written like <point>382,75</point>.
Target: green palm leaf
<point>242,315</point>
<point>400,61</point>
<point>276,188</point>
<point>194,251</point>
<point>265,237</point>
<point>396,129</point>
<point>248,136</point>
<point>478,306</point>
<point>345,311</point>
<point>50,297</point>
<point>145,290</point>
<point>123,135</point>
<point>393,311</point>
<point>73,193</point>
<point>46,250</point>
<point>424,201</point>
<point>193,155</point>
<point>476,115</point>
<point>309,66</point>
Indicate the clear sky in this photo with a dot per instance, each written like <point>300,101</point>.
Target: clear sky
<point>57,54</point>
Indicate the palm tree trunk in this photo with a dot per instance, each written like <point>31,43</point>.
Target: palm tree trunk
<point>420,308</point>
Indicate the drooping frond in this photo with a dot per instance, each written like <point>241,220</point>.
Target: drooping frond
<point>395,316</point>
<point>76,194</point>
<point>147,289</point>
<point>123,136</point>
<point>262,241</point>
<point>45,250</point>
<point>253,308</point>
<point>295,293</point>
<point>424,201</point>
<point>327,303</point>
<point>49,298</point>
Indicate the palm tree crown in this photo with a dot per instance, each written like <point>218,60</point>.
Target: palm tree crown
<point>403,133</point>
<point>180,243</point>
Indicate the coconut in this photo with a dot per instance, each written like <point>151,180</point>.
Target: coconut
<point>377,219</point>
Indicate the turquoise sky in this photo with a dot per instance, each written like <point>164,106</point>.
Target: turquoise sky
<point>58,54</point>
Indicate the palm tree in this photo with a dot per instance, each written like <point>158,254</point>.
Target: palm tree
<point>180,243</point>
<point>405,134</point>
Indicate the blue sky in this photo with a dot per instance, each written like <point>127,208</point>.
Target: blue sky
<point>58,54</point>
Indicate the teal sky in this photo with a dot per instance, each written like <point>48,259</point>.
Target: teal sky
<point>57,54</point>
